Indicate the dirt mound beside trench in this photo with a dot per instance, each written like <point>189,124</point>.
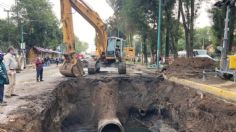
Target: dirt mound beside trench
<point>190,67</point>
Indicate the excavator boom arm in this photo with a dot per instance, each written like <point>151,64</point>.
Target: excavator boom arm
<point>71,66</point>
<point>66,18</point>
<point>94,19</point>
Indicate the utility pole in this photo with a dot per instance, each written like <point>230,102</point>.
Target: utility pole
<point>229,4</point>
<point>22,33</point>
<point>159,33</point>
<point>203,43</point>
<point>18,20</point>
<point>226,41</point>
<point>8,25</point>
<point>118,32</point>
<point>22,43</point>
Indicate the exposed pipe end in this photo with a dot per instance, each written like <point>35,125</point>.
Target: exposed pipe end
<point>110,125</point>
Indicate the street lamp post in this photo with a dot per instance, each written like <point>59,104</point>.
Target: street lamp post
<point>22,35</point>
<point>22,44</point>
<point>159,33</point>
<point>8,24</point>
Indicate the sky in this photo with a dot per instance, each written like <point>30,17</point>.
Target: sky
<point>203,18</point>
<point>82,28</point>
<point>86,32</point>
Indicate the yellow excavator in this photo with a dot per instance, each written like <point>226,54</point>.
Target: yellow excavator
<point>109,50</point>
<point>71,66</point>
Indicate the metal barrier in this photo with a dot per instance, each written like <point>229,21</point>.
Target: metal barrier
<point>205,73</point>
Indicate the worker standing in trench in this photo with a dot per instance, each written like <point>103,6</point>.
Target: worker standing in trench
<point>3,79</point>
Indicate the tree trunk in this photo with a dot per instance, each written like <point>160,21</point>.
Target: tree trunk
<point>191,29</point>
<point>188,23</point>
<point>167,41</point>
<point>174,31</point>
<point>187,41</point>
<point>145,50</point>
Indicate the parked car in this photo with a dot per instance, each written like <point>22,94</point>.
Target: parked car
<point>200,53</point>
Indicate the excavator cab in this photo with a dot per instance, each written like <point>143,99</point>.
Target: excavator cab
<point>113,56</point>
<point>115,53</point>
<point>115,50</point>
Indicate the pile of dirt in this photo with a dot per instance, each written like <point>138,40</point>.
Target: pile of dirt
<point>190,67</point>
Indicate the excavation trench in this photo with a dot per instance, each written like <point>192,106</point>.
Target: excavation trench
<point>130,104</point>
<point>114,104</point>
<point>142,104</point>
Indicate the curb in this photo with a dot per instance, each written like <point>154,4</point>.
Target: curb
<point>219,92</point>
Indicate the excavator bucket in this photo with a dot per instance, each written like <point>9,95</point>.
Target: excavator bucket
<point>72,67</point>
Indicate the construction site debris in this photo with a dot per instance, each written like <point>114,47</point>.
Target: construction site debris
<point>190,67</point>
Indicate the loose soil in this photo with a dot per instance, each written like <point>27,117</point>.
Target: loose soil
<point>189,67</point>
<point>140,102</point>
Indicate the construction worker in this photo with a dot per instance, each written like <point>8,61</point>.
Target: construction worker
<point>39,69</point>
<point>117,51</point>
<point>11,65</point>
<point>3,79</point>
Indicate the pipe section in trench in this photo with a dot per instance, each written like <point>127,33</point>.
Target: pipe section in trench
<point>106,100</point>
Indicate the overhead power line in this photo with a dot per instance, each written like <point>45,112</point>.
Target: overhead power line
<point>2,6</point>
<point>5,4</point>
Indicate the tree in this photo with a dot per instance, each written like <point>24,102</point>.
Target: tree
<point>188,9</point>
<point>172,27</point>
<point>203,37</point>
<point>137,17</point>
<point>80,46</point>
<point>4,30</point>
<point>39,24</point>
<point>134,20</point>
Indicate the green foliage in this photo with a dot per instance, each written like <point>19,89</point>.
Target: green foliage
<point>203,37</point>
<point>181,44</point>
<point>6,30</point>
<point>188,10</point>
<point>139,17</point>
<point>80,46</point>
<point>218,16</point>
<point>40,26</point>
<point>181,39</point>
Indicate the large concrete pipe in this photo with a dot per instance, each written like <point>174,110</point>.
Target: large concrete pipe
<point>110,125</point>
<point>106,100</point>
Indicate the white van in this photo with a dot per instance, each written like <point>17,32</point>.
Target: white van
<point>201,53</point>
